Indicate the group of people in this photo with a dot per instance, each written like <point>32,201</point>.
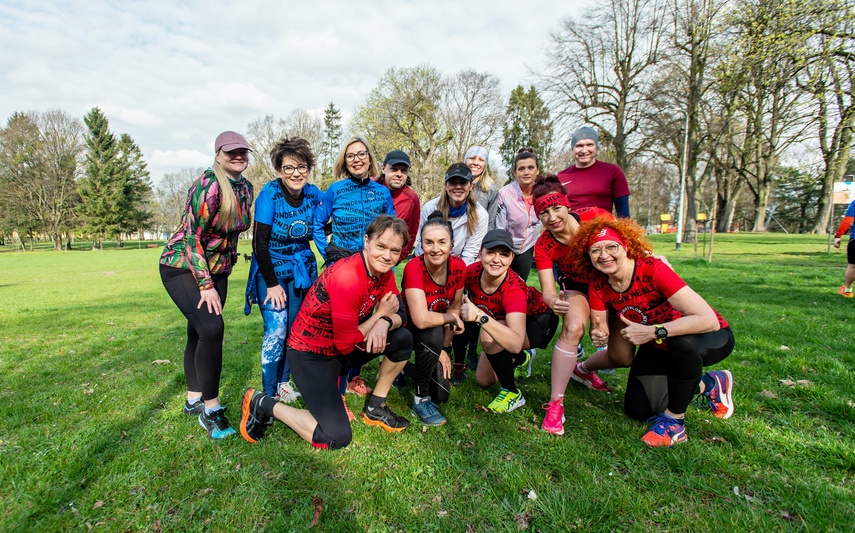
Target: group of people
<point>466,285</point>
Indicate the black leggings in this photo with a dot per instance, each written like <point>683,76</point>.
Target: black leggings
<point>669,378</point>
<point>203,353</point>
<point>317,378</point>
<point>430,381</point>
<point>522,263</point>
<point>539,329</point>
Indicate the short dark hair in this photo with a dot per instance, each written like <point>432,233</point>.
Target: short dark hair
<point>526,153</point>
<point>437,219</point>
<point>383,222</point>
<point>295,147</point>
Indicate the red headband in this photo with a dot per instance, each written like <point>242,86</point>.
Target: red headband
<point>606,234</point>
<point>552,199</point>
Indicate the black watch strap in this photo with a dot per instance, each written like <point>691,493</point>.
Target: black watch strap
<point>389,320</point>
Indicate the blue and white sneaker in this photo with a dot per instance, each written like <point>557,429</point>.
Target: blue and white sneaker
<point>216,424</point>
<point>428,412</point>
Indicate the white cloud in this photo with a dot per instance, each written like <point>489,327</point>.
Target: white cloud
<point>175,74</point>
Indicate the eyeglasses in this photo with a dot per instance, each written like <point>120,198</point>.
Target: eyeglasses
<point>362,154</point>
<point>611,249</point>
<point>289,169</point>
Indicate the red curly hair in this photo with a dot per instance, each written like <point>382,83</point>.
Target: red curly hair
<point>632,234</point>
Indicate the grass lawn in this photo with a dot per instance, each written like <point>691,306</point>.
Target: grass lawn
<point>92,436</point>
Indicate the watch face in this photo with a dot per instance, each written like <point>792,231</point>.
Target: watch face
<point>661,332</point>
<point>483,320</point>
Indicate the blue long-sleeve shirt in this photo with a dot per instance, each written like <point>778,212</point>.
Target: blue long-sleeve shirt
<point>351,204</point>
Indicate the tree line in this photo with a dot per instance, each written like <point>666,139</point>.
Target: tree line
<point>748,102</point>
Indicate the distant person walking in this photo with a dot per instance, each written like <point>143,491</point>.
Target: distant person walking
<point>593,183</point>
<point>845,290</point>
<point>195,267</point>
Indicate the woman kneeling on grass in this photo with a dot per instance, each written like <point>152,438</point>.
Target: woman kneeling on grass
<point>350,316</point>
<point>550,251</point>
<point>499,303</point>
<point>676,331</point>
<point>433,288</point>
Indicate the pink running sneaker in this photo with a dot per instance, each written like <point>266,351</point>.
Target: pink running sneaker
<point>358,387</point>
<point>553,422</point>
<point>590,380</point>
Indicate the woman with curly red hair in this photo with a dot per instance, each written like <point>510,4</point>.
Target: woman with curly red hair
<point>675,329</point>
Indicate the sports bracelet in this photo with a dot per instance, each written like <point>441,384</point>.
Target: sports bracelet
<point>389,320</point>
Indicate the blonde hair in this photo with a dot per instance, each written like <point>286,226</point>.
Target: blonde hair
<point>340,165</point>
<point>471,209</point>
<point>484,182</point>
<point>228,212</point>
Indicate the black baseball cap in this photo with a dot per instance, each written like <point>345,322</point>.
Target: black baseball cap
<point>458,170</point>
<point>498,237</point>
<point>396,157</point>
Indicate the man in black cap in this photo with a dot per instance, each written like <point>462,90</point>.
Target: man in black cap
<point>395,175</point>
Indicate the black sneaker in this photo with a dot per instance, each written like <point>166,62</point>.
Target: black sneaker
<point>194,408</point>
<point>216,423</point>
<point>384,417</point>
<point>252,421</point>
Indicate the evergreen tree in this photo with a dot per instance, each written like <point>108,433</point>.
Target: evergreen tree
<point>332,139</point>
<point>527,123</point>
<point>137,194</point>
<point>102,186</point>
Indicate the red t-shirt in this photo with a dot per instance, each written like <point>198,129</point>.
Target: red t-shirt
<point>343,297</point>
<point>547,249</point>
<point>407,208</point>
<point>534,302</point>
<point>510,297</point>
<point>439,297</point>
<point>595,186</point>
<point>645,301</point>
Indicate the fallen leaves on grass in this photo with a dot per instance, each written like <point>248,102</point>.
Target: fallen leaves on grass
<point>160,362</point>
<point>480,407</point>
<point>784,348</point>
<point>791,383</point>
<point>769,394</point>
<point>442,514</point>
<point>318,506</point>
<point>716,439</point>
<point>157,527</point>
<point>98,504</point>
<point>509,457</point>
<point>522,521</point>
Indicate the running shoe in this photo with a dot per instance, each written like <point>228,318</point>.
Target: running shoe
<point>358,387</point>
<point>384,417</point>
<point>428,412</point>
<point>553,422</point>
<point>720,397</point>
<point>350,415</point>
<point>252,421</point>
<point>286,392</point>
<point>458,374</point>
<point>506,401</point>
<point>666,431</point>
<point>590,380</point>
<point>523,370</point>
<point>843,292</point>
<point>193,408</point>
<point>216,423</point>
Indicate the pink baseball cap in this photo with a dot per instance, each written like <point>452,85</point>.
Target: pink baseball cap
<point>230,140</point>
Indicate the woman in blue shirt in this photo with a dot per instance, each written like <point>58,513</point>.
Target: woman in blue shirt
<point>283,264</point>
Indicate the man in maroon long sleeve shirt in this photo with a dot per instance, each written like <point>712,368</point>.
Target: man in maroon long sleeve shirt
<point>395,175</point>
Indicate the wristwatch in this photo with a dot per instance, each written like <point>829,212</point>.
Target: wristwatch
<point>661,333</point>
<point>389,320</point>
<point>483,319</point>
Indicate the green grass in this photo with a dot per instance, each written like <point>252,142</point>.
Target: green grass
<point>92,435</point>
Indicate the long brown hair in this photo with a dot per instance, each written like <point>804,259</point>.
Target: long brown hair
<point>471,208</point>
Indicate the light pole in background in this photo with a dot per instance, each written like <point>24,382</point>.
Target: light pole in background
<point>683,166</point>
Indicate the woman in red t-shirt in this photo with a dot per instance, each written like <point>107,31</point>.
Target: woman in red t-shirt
<point>498,302</point>
<point>433,290</point>
<point>350,316</point>
<point>551,256</point>
<point>676,331</point>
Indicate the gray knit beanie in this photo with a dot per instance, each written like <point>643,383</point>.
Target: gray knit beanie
<point>586,132</point>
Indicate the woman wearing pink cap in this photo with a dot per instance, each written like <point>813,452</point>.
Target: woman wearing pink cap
<point>676,331</point>
<point>195,267</point>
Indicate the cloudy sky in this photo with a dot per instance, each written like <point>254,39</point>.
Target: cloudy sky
<point>173,74</point>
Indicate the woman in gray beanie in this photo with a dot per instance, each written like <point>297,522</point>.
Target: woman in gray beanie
<point>593,183</point>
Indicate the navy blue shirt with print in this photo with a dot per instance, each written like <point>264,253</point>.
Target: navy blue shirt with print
<point>351,205</point>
